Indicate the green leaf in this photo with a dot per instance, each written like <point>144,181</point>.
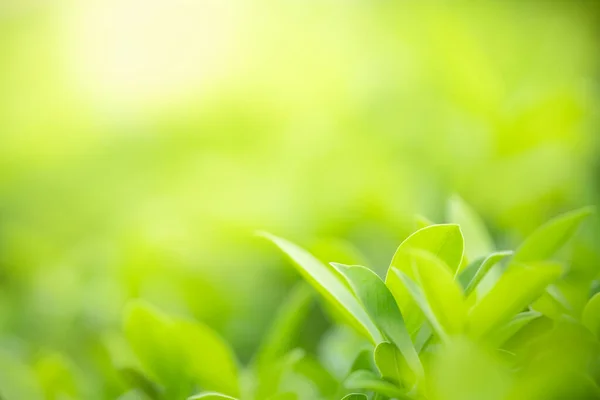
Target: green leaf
<point>591,315</point>
<point>211,396</point>
<point>180,353</point>
<point>136,379</point>
<point>478,242</point>
<point>287,323</point>
<point>441,291</point>
<point>208,359</point>
<point>380,305</point>
<point>328,284</point>
<point>443,240</point>
<point>508,330</point>
<point>551,236</point>
<point>355,396</point>
<point>367,380</point>
<point>150,335</point>
<point>387,358</point>
<point>470,277</point>
<point>517,288</point>
<point>419,298</point>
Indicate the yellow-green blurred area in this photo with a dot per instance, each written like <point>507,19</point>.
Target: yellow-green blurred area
<point>142,143</point>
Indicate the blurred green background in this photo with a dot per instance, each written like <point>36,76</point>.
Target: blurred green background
<point>142,143</point>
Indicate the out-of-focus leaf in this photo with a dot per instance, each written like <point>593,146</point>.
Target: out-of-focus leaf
<point>441,291</point>
<point>284,396</point>
<point>591,315</point>
<point>152,339</point>
<point>286,324</point>
<point>387,358</point>
<point>443,240</point>
<point>422,222</point>
<point>310,368</point>
<point>329,286</point>
<point>463,370</point>
<point>355,396</point>
<point>340,348</point>
<point>470,277</point>
<point>508,330</point>
<point>552,303</point>
<point>136,379</point>
<point>551,236</point>
<point>367,380</point>
<point>478,242</point>
<point>17,381</point>
<point>380,305</point>
<point>211,396</point>
<point>517,288</point>
<point>56,376</point>
<point>208,359</point>
<point>180,353</point>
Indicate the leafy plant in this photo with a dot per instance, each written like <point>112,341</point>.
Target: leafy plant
<point>453,319</point>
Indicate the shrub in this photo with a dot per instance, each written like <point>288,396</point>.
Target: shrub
<point>453,319</point>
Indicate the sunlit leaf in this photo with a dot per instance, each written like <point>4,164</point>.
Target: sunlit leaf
<point>478,242</point>
<point>329,286</point>
<point>470,277</point>
<point>419,298</point>
<point>355,396</point>
<point>442,292</point>
<point>591,315</point>
<point>517,288</point>
<point>445,241</point>
<point>367,380</point>
<point>211,396</point>
<point>387,358</point>
<point>180,353</point>
<point>508,330</point>
<point>381,306</point>
<point>551,236</point>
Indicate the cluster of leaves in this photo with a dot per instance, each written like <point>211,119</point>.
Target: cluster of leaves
<point>453,319</point>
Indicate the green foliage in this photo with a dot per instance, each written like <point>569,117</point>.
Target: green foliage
<point>470,344</point>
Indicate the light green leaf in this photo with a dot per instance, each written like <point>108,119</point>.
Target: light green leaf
<point>380,305</point>
<point>329,286</point>
<point>367,380</point>
<point>443,240</point>
<point>211,396</point>
<point>508,330</point>
<point>478,242</point>
<point>553,303</point>
<point>517,288</point>
<point>591,315</point>
<point>387,358</point>
<point>441,291</point>
<point>180,353</point>
<point>470,277</point>
<point>355,396</point>
<point>287,323</point>
<point>136,379</point>
<point>551,236</point>
<point>150,335</point>
<point>419,298</point>
<point>208,359</point>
